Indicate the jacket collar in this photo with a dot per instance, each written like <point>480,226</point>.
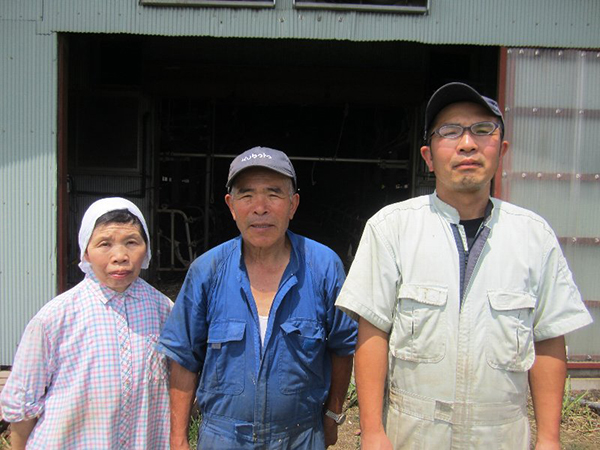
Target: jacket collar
<point>106,294</point>
<point>451,214</point>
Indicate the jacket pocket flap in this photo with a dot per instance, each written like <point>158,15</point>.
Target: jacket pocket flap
<point>428,295</point>
<point>507,301</point>
<point>306,328</point>
<point>226,331</point>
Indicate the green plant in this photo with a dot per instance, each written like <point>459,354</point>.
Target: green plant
<point>195,421</point>
<point>352,396</point>
<point>569,402</point>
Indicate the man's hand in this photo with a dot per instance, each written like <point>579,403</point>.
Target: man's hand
<point>375,441</point>
<point>184,446</point>
<point>331,431</point>
<point>547,445</point>
<point>181,394</point>
<point>341,370</point>
<point>547,383</point>
<point>371,371</point>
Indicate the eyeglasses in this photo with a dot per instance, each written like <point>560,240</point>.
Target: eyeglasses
<point>453,131</point>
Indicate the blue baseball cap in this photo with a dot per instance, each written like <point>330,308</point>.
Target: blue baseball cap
<point>454,93</point>
<point>268,158</point>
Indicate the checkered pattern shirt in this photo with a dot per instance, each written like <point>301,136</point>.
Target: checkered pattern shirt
<point>87,368</point>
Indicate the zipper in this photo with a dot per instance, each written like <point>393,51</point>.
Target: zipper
<point>466,265</point>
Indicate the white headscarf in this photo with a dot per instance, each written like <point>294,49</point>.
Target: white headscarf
<point>90,217</point>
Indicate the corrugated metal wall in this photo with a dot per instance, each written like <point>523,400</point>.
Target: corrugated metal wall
<point>28,92</point>
<point>28,176</point>
<point>553,166</point>
<point>540,23</point>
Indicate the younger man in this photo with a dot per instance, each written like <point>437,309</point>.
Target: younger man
<point>461,299</point>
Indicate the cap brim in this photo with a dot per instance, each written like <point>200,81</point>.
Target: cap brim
<point>452,93</point>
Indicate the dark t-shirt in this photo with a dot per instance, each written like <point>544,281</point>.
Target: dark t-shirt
<point>471,228</point>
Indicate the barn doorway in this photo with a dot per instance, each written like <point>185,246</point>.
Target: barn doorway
<point>158,119</point>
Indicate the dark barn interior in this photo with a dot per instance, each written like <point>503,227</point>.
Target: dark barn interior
<point>158,120</point>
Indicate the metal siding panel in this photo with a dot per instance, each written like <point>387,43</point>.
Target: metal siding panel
<point>581,342</point>
<point>553,123</point>
<point>539,23</point>
<point>27,178</point>
<point>21,10</point>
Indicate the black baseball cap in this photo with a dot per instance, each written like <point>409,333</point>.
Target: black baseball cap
<point>268,158</point>
<point>454,93</point>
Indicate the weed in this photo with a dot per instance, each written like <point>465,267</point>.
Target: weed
<point>569,402</point>
<point>194,427</point>
<point>352,396</point>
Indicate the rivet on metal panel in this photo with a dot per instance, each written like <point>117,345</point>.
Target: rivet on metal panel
<point>539,175</point>
<point>521,52</point>
<point>581,112</point>
<point>597,55</point>
<point>560,53</point>
<point>574,239</point>
<point>535,110</point>
<point>558,111</point>
<point>319,18</point>
<point>558,175</point>
<point>504,174</point>
<point>597,240</point>
<point>507,108</point>
<point>596,176</point>
<point>301,17</point>
<point>523,175</point>
<point>537,53</point>
<point>582,54</point>
<point>340,19</point>
<point>578,176</point>
<point>509,51</point>
<point>281,19</point>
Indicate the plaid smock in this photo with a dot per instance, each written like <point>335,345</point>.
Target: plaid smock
<point>87,368</point>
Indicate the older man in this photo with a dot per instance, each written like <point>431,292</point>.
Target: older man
<point>461,300</point>
<point>256,319</point>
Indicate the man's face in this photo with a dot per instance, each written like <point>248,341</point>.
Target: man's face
<point>116,252</point>
<point>262,205</point>
<point>466,164</point>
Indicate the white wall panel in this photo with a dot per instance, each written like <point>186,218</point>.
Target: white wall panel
<point>28,178</point>
<point>553,122</point>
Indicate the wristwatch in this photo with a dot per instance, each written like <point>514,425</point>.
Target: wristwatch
<point>339,418</point>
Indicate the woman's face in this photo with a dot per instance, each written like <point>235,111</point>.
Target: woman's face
<point>116,252</point>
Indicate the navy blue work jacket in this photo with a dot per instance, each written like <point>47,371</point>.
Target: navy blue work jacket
<point>214,330</point>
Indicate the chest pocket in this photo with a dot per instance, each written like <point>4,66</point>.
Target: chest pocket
<point>301,357</point>
<point>509,345</point>
<point>420,329</point>
<point>225,362</point>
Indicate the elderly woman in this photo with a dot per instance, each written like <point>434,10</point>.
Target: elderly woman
<point>86,374</point>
